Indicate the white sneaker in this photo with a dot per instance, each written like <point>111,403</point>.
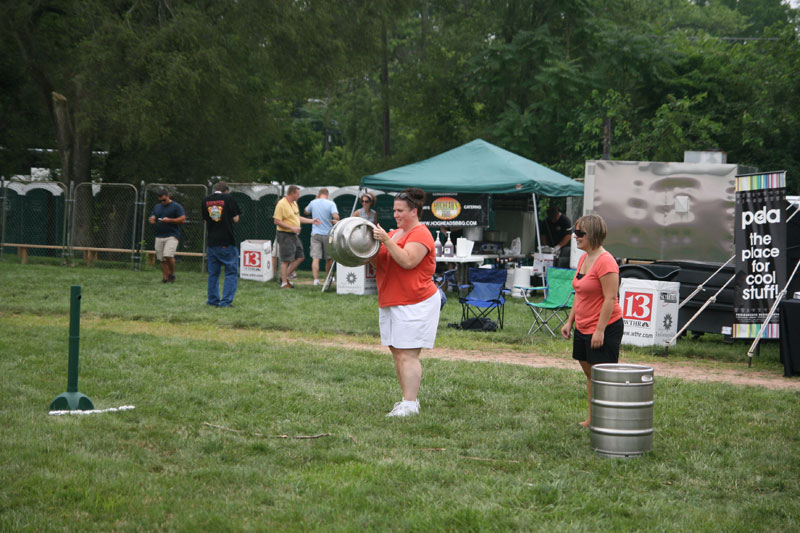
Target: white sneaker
<point>293,275</point>
<point>316,282</point>
<point>405,409</point>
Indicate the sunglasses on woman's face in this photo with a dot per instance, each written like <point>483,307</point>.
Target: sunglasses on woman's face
<point>579,233</point>
<point>366,201</point>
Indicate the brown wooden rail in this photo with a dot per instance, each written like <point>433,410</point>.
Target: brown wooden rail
<point>89,252</point>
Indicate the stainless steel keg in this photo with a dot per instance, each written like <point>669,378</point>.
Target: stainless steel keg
<point>352,243</point>
<point>622,409</point>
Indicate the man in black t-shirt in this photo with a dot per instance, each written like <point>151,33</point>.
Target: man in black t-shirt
<point>555,232</point>
<point>220,212</point>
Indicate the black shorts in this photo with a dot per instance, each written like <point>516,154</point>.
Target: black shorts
<point>609,353</point>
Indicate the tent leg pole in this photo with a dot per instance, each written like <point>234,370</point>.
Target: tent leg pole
<point>702,286</point>
<point>329,276</point>
<point>708,302</point>
<point>355,201</point>
<point>536,223</point>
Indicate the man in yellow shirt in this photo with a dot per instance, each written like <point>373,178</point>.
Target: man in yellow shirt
<point>287,218</point>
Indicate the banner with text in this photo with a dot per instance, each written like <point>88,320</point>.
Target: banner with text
<point>453,210</point>
<point>760,237</point>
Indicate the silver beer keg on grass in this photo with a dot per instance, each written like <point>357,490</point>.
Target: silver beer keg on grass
<point>622,409</point>
<point>352,243</point>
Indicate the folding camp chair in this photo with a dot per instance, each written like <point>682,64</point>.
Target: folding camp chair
<point>557,301</point>
<point>443,281</point>
<point>446,280</point>
<point>487,289</point>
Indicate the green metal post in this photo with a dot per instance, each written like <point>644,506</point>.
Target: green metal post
<point>72,400</point>
<point>74,337</point>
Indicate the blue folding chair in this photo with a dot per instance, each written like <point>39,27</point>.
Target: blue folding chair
<point>487,290</point>
<point>443,281</point>
<point>557,301</point>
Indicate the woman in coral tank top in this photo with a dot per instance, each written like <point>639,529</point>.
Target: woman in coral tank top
<point>408,300</point>
<point>595,311</point>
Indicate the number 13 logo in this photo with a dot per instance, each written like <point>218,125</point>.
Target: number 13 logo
<point>638,306</point>
<point>252,259</point>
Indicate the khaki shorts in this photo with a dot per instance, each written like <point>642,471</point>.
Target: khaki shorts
<point>319,246</point>
<point>290,247</point>
<point>166,247</point>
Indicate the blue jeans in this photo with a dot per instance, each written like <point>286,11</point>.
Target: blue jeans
<point>219,256</point>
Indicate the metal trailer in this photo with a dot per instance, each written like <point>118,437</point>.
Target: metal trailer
<point>671,222</point>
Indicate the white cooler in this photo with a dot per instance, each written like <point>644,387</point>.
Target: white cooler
<point>522,278</point>
<point>356,280</point>
<point>649,311</point>
<point>255,260</point>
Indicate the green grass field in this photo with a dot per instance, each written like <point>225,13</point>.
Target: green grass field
<point>221,394</point>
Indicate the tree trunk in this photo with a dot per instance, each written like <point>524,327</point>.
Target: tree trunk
<point>423,39</point>
<point>385,89</point>
<point>75,149</point>
<point>607,138</point>
<point>74,145</point>
<point>327,123</point>
<point>64,134</point>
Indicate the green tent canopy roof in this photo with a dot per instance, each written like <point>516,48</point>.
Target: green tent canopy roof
<point>476,167</point>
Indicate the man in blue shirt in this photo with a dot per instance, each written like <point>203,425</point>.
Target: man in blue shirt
<point>167,216</point>
<point>326,212</point>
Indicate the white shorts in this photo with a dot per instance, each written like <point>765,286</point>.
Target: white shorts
<point>166,247</point>
<point>410,326</point>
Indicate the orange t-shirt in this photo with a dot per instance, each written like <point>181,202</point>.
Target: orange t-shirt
<point>589,293</point>
<point>400,286</point>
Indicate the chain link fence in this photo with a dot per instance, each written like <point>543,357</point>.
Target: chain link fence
<point>106,224</point>
<point>103,224</point>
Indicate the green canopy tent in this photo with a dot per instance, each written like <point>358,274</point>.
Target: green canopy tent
<point>477,167</point>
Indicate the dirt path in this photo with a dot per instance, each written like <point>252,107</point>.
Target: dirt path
<point>696,373</point>
<point>736,374</point>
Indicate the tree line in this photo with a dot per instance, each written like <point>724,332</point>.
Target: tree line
<point>326,91</point>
